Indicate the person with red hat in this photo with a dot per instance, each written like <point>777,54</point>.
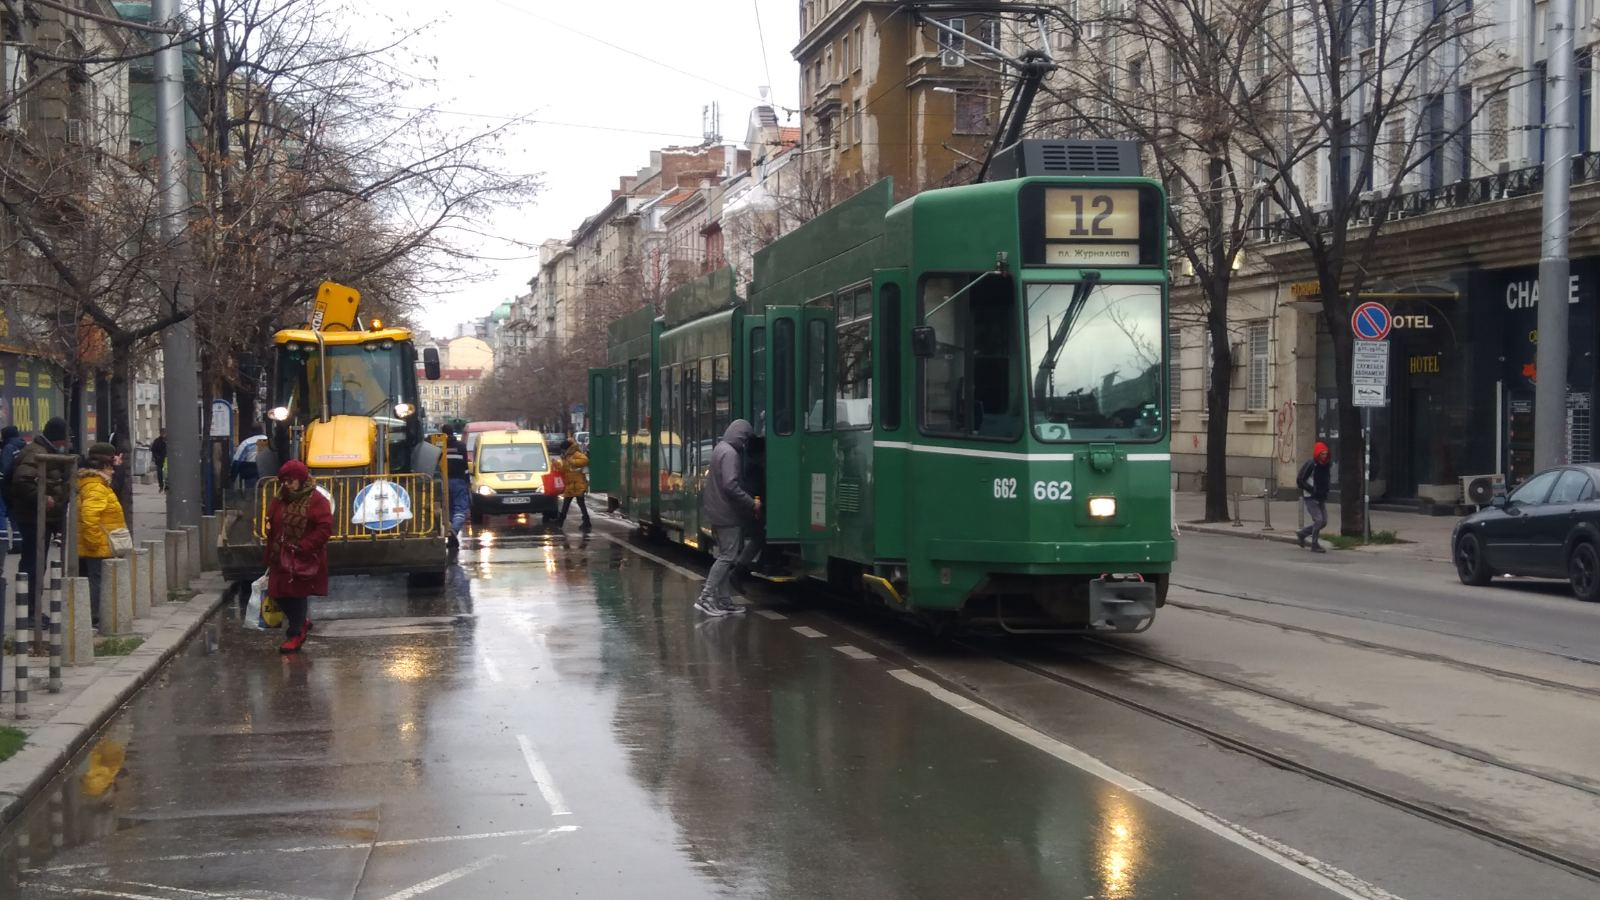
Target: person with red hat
<point>299,523</point>
<point>1313,484</point>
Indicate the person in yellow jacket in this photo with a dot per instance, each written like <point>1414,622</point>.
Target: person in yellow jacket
<point>99,513</point>
<point>572,463</point>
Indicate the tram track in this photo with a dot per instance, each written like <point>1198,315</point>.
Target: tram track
<point>1373,620</point>
<point>848,619</point>
<point>1321,774</point>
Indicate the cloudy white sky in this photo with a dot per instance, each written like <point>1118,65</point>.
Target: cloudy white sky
<point>614,104</point>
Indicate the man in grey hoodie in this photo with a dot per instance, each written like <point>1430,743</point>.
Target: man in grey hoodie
<point>729,510</point>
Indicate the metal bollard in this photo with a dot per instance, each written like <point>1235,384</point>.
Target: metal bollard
<point>139,574</point>
<point>1238,517</point>
<point>56,617</point>
<point>1266,510</point>
<point>23,640</point>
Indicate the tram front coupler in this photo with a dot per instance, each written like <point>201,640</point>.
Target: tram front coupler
<point>1124,603</point>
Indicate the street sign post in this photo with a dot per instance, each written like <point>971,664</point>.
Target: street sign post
<point>1371,322</point>
<point>1369,385</point>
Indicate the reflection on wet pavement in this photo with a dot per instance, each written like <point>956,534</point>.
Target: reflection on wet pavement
<point>557,721</point>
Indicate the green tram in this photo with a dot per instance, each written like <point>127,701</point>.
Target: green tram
<point>961,397</point>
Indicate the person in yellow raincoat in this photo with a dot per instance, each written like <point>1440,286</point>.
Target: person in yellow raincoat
<point>572,464</point>
<point>99,514</point>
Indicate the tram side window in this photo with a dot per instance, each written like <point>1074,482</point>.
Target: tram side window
<point>817,411</point>
<point>706,432</point>
<point>889,340</point>
<point>722,396</point>
<point>783,373</point>
<point>853,340</point>
<point>758,380</point>
<point>619,387</point>
<point>643,395</point>
<point>691,378</point>
<point>664,427</point>
<point>969,386</point>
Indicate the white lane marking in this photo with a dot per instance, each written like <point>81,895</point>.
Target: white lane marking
<point>808,631</point>
<point>99,892</point>
<point>308,848</point>
<point>168,889</point>
<point>550,835</point>
<point>854,652</point>
<point>421,888</point>
<point>541,777</point>
<point>769,614</point>
<point>687,573</point>
<point>490,669</point>
<point>1328,876</point>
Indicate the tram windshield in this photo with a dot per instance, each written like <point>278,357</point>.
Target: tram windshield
<point>1095,361</point>
<point>362,379</point>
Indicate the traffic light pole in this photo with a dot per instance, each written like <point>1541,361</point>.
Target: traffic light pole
<point>181,376</point>
<point>1550,359</point>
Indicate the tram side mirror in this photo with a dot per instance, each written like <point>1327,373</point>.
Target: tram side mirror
<point>924,343</point>
<point>430,363</point>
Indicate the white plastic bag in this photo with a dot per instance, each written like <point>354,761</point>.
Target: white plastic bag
<point>252,610</point>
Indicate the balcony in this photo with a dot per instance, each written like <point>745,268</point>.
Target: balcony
<point>1463,194</point>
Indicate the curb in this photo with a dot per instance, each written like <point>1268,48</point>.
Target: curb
<point>1282,537</point>
<point>1241,532</point>
<point>52,745</point>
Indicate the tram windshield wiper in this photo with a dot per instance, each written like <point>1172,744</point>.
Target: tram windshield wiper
<point>1058,338</point>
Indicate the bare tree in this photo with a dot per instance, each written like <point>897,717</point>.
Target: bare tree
<point>313,169</point>
<point>1183,78</point>
<point>1368,95</point>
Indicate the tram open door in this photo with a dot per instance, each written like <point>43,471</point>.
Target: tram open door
<point>605,449</point>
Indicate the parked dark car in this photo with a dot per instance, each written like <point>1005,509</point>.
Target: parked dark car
<point>1548,528</point>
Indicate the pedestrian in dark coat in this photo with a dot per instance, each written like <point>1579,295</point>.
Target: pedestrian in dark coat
<point>730,511</point>
<point>299,523</point>
<point>11,444</point>
<point>158,459</point>
<point>1313,483</point>
<point>29,476</point>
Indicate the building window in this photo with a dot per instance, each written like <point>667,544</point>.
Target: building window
<point>1174,369</point>
<point>827,58</point>
<point>861,47</point>
<point>988,32</point>
<point>972,114</point>
<point>849,129</point>
<point>1585,70</point>
<point>856,116</point>
<point>1537,109</point>
<point>844,52</point>
<point>1256,393</point>
<point>952,47</point>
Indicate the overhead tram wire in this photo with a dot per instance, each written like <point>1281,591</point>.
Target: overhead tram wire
<point>634,53</point>
<point>761,35</point>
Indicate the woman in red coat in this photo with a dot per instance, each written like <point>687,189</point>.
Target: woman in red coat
<point>299,523</point>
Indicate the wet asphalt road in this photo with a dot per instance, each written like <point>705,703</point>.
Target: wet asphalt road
<point>559,722</point>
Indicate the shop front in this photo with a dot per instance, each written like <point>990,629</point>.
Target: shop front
<point>1514,293</point>
<point>1462,375</point>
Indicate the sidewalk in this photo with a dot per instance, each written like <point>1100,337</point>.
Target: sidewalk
<point>1426,537</point>
<point>59,725</point>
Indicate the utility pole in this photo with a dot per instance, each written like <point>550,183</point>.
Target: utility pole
<point>181,379</point>
<point>1550,359</point>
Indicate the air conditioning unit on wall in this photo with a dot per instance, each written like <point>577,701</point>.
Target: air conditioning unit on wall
<point>1479,490</point>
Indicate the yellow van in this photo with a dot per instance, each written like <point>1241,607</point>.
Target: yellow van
<point>508,472</point>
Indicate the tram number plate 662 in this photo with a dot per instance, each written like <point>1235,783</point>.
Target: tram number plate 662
<point>1005,488</point>
<point>1052,490</point>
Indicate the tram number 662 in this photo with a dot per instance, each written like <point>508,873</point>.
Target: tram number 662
<point>1052,490</point>
<point>1005,488</point>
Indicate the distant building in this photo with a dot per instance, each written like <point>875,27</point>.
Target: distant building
<point>886,95</point>
<point>468,353</point>
<point>450,396</point>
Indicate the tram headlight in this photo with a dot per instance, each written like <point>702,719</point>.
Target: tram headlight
<point>1102,507</point>
<point>485,491</point>
<point>279,414</point>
